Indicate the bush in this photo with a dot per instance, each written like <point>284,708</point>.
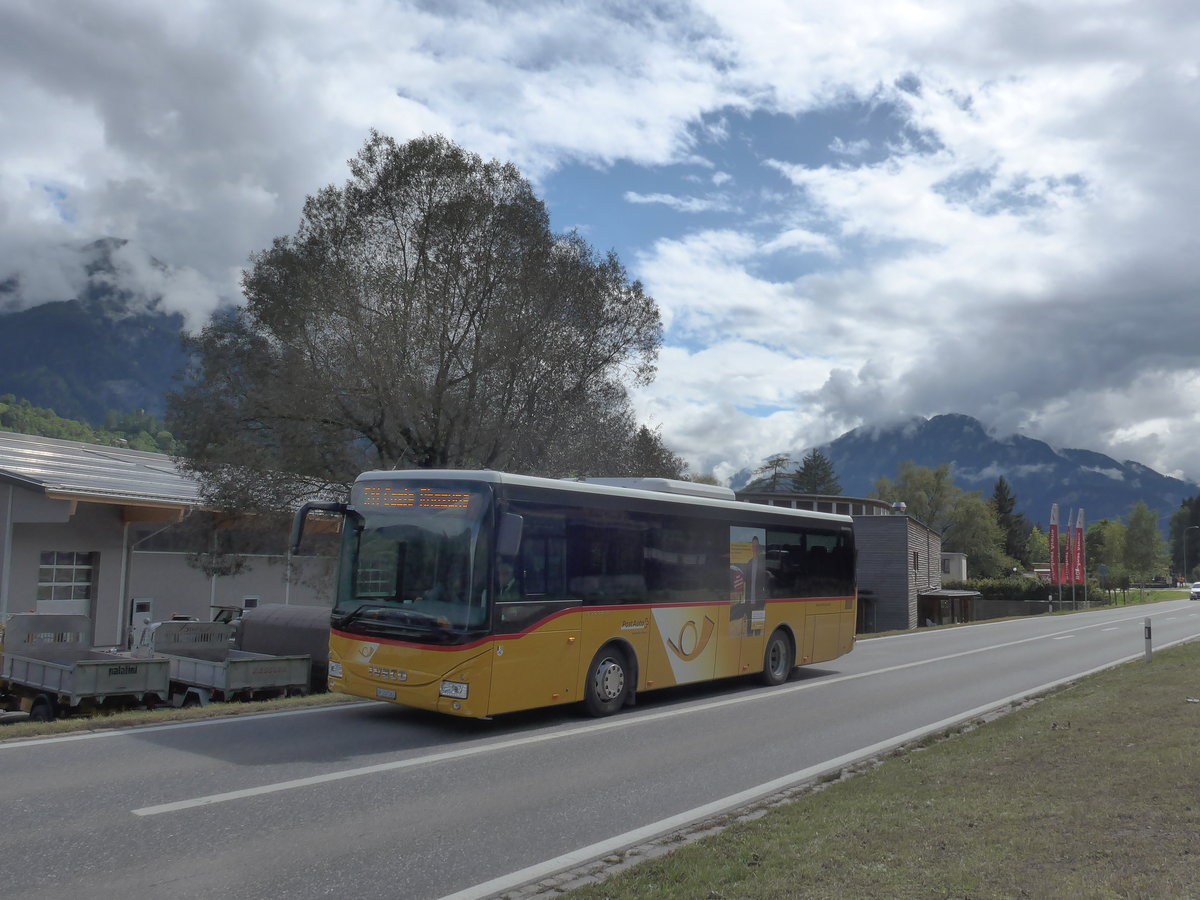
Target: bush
<point>1021,589</point>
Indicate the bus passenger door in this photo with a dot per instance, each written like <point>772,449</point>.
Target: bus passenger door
<point>749,589</point>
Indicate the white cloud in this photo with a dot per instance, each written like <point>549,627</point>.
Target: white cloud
<point>1018,244</point>
<point>1114,474</point>
<point>680,204</point>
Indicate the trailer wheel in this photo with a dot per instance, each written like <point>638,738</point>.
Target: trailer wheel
<point>42,710</point>
<point>190,700</point>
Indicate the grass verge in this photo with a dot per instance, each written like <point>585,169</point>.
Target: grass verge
<point>1091,792</point>
<point>134,718</point>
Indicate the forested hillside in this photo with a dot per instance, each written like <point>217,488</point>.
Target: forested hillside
<point>105,349</point>
<point>137,430</point>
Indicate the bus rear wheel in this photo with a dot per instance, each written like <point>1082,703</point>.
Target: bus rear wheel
<point>778,660</point>
<point>607,686</point>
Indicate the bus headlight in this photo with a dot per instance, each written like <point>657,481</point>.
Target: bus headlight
<point>335,669</point>
<point>455,689</point>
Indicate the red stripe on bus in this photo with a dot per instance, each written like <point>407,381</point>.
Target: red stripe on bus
<point>516,635</point>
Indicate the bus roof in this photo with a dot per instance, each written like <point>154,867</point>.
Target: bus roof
<point>647,488</point>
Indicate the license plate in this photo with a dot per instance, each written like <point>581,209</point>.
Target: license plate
<point>385,693</point>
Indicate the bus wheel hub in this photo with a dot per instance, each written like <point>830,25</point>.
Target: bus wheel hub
<point>610,680</point>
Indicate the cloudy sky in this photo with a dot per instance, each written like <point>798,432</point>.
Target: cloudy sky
<point>848,213</point>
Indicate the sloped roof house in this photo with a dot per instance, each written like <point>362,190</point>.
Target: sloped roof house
<point>73,519</point>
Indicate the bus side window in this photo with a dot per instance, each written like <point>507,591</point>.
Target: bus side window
<point>686,561</point>
<point>540,566</point>
<point>606,560</point>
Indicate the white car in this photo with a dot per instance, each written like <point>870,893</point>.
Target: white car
<point>1196,591</point>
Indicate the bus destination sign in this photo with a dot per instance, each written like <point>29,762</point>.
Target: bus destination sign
<point>391,496</point>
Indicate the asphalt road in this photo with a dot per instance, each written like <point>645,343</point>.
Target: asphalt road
<point>379,801</point>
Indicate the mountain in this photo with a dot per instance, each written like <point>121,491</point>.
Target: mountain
<point>1037,474</point>
<point>104,349</point>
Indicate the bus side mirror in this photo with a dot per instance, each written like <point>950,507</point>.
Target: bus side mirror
<point>508,541</point>
<point>302,514</point>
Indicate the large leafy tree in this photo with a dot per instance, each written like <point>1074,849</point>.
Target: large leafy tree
<point>929,494</point>
<point>1037,546</point>
<point>1104,552</point>
<point>965,520</point>
<point>1145,553</point>
<point>423,315</point>
<point>1185,539</point>
<point>815,475</point>
<point>1104,545</point>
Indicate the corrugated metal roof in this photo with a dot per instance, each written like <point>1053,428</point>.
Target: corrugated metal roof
<point>91,471</point>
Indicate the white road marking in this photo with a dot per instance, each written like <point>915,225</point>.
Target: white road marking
<point>627,721</point>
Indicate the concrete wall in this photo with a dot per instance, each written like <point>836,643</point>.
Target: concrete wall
<point>31,524</point>
<point>40,525</point>
<point>174,587</point>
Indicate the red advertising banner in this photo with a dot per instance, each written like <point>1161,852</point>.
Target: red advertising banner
<point>1077,564</point>
<point>1054,574</point>
<point>1068,563</point>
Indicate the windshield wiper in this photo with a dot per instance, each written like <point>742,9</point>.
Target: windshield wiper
<point>390,620</point>
<point>374,613</point>
<point>339,620</point>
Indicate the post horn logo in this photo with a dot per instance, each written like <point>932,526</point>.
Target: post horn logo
<point>692,641</point>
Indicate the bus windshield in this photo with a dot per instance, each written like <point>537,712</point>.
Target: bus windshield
<point>414,561</point>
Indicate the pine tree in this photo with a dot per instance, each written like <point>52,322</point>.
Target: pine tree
<point>772,471</point>
<point>1013,524</point>
<point>815,475</point>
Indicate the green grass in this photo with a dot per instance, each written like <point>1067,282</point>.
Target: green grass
<point>1090,792</point>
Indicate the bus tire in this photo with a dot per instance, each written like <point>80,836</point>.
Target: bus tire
<point>608,682</point>
<point>41,711</point>
<point>778,659</point>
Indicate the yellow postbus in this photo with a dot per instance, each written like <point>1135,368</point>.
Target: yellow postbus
<point>476,593</point>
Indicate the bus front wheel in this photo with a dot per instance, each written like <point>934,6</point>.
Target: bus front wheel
<point>607,686</point>
<point>778,660</point>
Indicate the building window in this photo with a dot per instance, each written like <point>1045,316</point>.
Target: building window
<point>916,561</point>
<point>65,575</point>
<point>945,567</point>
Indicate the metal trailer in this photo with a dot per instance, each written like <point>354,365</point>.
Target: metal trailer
<point>205,667</point>
<point>283,629</point>
<point>49,668</point>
